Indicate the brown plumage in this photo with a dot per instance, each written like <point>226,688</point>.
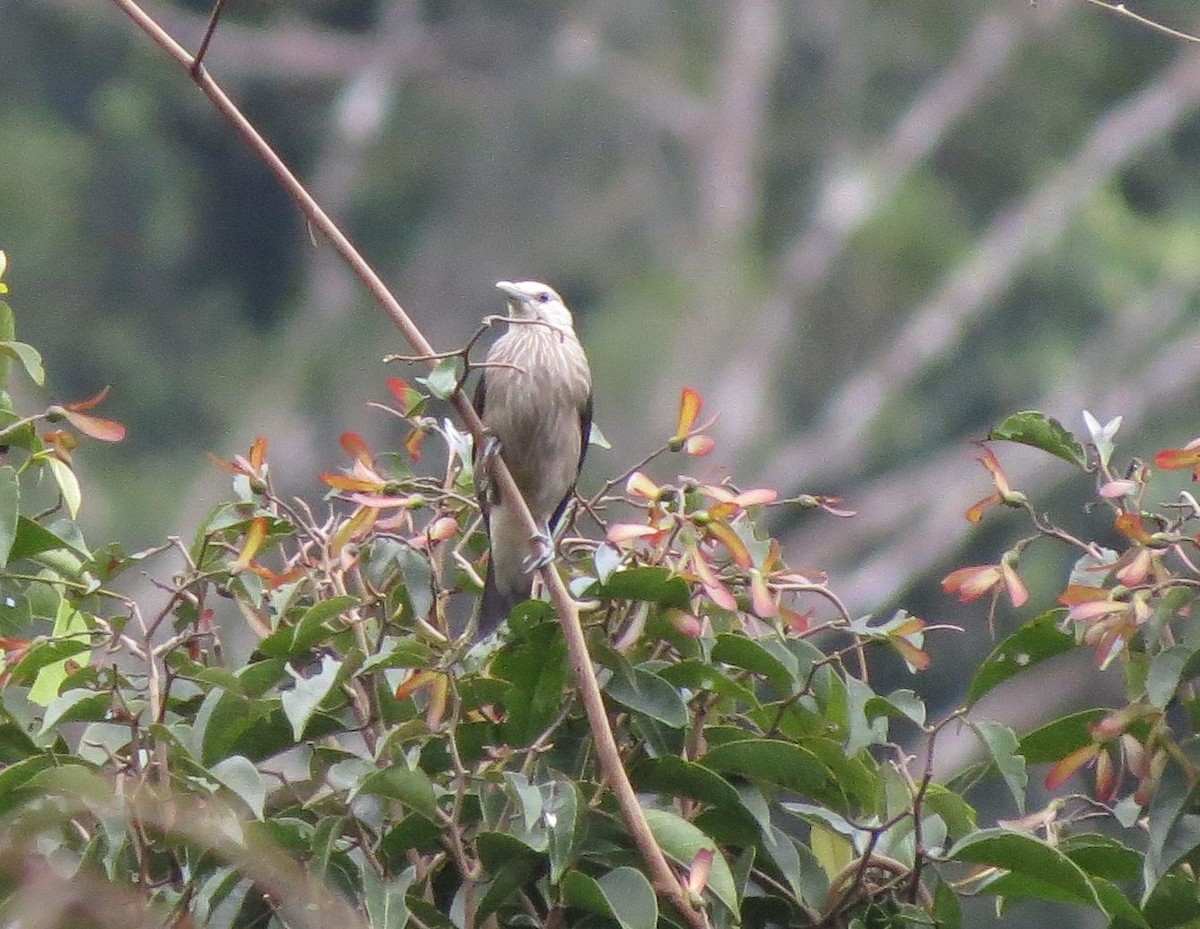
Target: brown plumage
<point>538,410</point>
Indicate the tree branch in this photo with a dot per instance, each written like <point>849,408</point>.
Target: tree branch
<point>663,876</point>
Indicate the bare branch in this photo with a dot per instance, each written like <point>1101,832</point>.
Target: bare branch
<point>664,877</point>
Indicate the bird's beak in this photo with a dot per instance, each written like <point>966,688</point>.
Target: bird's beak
<point>511,290</point>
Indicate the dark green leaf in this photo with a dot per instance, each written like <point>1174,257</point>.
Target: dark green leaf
<point>10,503</point>
<point>649,695</point>
<point>1037,869</point>
<point>1032,644</point>
<point>312,628</point>
<point>749,655</point>
<point>42,654</point>
<point>1041,431</point>
<point>622,894</point>
<point>947,911</point>
<point>780,763</point>
<point>564,813</point>
<point>1172,826</point>
<point>412,788</point>
<point>678,778</point>
<point>1101,856</point>
<point>34,539</point>
<point>958,815</point>
<point>78,705</point>
<point>1059,738</point>
<point>536,666</point>
<point>698,676</point>
<point>648,584</point>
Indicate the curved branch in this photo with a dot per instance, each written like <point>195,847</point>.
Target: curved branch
<point>664,877</point>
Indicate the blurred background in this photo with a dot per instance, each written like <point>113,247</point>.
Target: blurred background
<point>865,231</point>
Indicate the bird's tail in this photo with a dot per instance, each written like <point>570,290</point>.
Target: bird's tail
<point>496,603</point>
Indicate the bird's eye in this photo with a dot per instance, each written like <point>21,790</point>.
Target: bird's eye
<point>544,297</point>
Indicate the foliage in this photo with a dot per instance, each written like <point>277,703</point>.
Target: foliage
<point>367,764</point>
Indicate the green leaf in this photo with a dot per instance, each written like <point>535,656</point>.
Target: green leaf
<point>681,841</point>
<point>68,485</point>
<point>947,911</point>
<point>34,539</point>
<point>1036,868</point>
<point>622,894</point>
<point>958,815</point>
<point>648,694</point>
<point>1101,856</point>
<point>312,628</point>
<point>29,357</point>
<point>510,863</point>
<point>798,865</point>
<point>536,666</point>
<point>648,584</point>
<point>301,701</point>
<point>78,705</point>
<point>386,908</point>
<point>1173,828</point>
<point>832,851</point>
<point>413,788</point>
<point>904,704</point>
<point>1059,738</point>
<point>672,775</point>
<point>564,808</point>
<point>70,631</point>
<point>1041,431</point>
<point>445,378</point>
<point>1033,643</point>
<point>700,676</point>
<point>781,763</point>
<point>10,511</point>
<point>241,776</point>
<point>749,655</point>
<point>1001,744</point>
<point>1166,670</point>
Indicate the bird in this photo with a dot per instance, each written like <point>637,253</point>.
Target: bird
<point>535,400</point>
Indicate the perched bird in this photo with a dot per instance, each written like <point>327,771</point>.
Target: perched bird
<point>535,400</point>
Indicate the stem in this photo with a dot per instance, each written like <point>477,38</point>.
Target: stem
<point>663,876</point>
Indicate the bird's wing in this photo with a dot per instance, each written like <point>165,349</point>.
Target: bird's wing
<point>480,402</point>
<point>585,434</point>
<point>585,430</point>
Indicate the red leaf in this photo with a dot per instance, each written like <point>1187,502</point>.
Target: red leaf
<point>355,446</point>
<point>1178,459</point>
<point>106,430</point>
<point>689,411</point>
<point>81,405</point>
<point>1062,770</point>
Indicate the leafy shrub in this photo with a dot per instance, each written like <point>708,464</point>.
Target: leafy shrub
<point>367,764</point>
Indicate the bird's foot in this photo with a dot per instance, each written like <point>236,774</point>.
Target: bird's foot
<point>543,554</point>
<point>483,467</point>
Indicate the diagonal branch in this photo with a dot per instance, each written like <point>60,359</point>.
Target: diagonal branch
<point>664,877</point>
<point>1018,235</point>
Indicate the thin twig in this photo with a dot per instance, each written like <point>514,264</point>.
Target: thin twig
<point>1120,9</point>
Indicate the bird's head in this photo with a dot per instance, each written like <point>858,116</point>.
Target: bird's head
<point>533,300</point>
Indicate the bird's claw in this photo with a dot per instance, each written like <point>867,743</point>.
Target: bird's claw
<point>543,554</point>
